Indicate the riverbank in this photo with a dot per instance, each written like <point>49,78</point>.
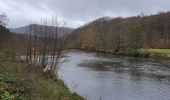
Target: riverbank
<point>146,53</point>
<point>20,81</point>
<point>156,53</point>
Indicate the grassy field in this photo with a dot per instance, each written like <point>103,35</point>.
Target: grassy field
<point>156,52</point>
<point>19,81</point>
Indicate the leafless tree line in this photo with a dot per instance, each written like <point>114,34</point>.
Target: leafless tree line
<point>3,19</point>
<point>45,46</point>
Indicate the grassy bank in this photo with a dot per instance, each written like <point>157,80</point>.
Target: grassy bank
<point>149,53</point>
<point>19,81</point>
<point>156,53</point>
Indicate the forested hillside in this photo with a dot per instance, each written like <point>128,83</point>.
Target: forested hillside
<point>122,34</point>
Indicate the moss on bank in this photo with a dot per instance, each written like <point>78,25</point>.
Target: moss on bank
<point>148,53</point>
<point>155,53</point>
<point>19,81</point>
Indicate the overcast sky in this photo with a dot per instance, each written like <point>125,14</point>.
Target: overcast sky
<point>77,12</point>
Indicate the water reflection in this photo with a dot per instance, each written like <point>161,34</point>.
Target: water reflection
<point>106,77</point>
<point>101,65</point>
<point>136,67</point>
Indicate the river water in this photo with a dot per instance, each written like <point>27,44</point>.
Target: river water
<point>104,77</point>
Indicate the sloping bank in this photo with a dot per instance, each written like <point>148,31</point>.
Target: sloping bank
<point>147,53</point>
<point>19,81</point>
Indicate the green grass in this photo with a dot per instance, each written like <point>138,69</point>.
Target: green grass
<point>19,81</point>
<point>156,52</point>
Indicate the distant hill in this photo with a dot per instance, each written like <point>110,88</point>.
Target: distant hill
<point>25,29</point>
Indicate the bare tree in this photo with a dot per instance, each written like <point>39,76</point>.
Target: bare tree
<point>3,19</point>
<point>46,45</point>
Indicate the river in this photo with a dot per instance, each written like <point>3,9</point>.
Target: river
<point>105,77</point>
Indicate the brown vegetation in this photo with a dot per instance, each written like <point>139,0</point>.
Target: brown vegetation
<point>115,34</point>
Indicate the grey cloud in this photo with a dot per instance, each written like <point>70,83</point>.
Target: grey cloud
<point>77,12</point>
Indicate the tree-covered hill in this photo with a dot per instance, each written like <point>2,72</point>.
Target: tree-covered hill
<point>114,33</point>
